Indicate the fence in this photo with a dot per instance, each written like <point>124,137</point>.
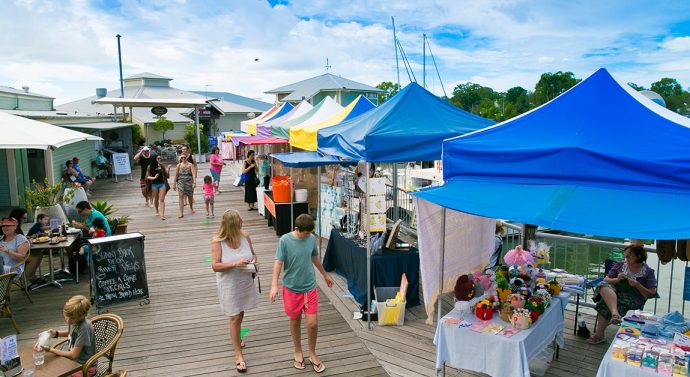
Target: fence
<point>586,256</point>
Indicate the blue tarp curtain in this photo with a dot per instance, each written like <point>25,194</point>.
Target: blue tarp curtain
<point>409,127</point>
<point>309,159</point>
<point>599,159</point>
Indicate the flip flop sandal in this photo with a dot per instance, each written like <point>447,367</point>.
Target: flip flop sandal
<point>318,368</point>
<point>616,320</point>
<point>243,344</point>
<point>299,364</point>
<point>241,367</point>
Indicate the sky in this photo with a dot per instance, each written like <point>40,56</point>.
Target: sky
<point>67,48</point>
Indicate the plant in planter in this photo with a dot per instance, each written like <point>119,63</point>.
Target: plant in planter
<point>117,225</point>
<point>46,198</point>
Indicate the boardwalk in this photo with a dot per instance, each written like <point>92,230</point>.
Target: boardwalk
<point>182,333</point>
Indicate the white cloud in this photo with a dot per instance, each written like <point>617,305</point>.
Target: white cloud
<point>66,49</point>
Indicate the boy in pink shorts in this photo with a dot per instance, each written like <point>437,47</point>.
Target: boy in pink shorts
<point>297,252</point>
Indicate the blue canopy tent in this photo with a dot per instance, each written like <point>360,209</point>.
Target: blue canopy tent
<point>599,159</point>
<point>409,127</point>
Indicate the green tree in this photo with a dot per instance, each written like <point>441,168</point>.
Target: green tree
<point>389,91</point>
<point>674,95</point>
<point>635,86</point>
<point>551,85</point>
<point>516,102</point>
<point>163,125</point>
<point>471,97</point>
<point>190,137</point>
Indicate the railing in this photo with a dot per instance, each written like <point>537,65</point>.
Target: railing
<point>586,256</point>
<point>406,208</point>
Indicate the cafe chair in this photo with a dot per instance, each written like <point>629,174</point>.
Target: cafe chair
<point>108,329</point>
<point>5,287</point>
<point>20,280</point>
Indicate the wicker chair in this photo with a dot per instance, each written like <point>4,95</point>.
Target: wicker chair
<point>20,281</point>
<point>119,373</point>
<point>108,329</point>
<point>5,286</point>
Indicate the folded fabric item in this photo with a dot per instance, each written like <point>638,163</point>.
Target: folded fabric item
<point>651,330</point>
<point>672,323</point>
<point>573,289</point>
<point>673,318</point>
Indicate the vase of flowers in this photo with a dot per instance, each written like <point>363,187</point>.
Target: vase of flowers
<point>484,310</point>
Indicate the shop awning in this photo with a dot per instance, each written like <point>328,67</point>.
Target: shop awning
<point>309,159</point>
<point>24,133</point>
<point>263,140</point>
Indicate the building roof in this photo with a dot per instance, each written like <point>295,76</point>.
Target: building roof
<point>147,75</point>
<point>54,114</point>
<point>11,90</point>
<point>326,82</point>
<point>233,103</point>
<point>102,126</point>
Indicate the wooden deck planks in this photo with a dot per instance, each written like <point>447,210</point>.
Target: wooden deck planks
<point>182,332</point>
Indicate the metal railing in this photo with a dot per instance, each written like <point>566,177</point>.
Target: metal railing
<point>406,208</point>
<point>586,256</point>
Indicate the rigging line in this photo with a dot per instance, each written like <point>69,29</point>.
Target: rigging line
<point>436,67</point>
<point>407,65</point>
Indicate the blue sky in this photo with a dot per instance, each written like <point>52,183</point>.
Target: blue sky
<point>66,49</point>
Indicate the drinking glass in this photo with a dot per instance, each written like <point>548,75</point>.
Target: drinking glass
<point>28,372</point>
<point>39,357</point>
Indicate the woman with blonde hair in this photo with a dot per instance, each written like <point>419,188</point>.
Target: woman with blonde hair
<point>231,252</point>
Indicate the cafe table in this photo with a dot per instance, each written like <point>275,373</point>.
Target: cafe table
<point>48,246</point>
<point>53,366</point>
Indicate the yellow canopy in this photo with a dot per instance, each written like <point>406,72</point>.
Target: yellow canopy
<point>304,136</point>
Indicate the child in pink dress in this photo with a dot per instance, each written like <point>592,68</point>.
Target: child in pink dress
<point>208,194</point>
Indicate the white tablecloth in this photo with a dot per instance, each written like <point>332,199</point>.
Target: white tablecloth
<point>494,354</point>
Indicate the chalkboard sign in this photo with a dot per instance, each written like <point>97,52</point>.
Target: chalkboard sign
<point>121,164</point>
<point>118,269</point>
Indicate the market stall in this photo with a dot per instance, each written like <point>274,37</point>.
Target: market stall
<point>282,110</point>
<point>323,110</point>
<point>244,125</point>
<point>580,176</point>
<point>410,126</point>
<point>297,112</point>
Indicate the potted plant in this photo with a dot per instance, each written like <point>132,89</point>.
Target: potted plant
<point>47,198</point>
<point>117,225</point>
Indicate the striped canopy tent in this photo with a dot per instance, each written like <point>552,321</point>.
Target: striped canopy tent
<point>303,136</point>
<point>324,110</point>
<point>282,110</point>
<point>299,110</point>
<point>244,125</point>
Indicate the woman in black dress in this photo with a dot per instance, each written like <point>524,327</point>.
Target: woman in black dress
<point>252,181</point>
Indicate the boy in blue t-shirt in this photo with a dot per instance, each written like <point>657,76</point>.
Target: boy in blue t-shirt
<point>297,252</point>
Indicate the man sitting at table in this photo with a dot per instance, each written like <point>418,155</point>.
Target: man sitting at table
<point>84,210</point>
<point>626,287</point>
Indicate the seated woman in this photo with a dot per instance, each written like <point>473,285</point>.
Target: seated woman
<point>103,164</point>
<point>75,177</point>
<point>626,287</point>
<point>13,246</point>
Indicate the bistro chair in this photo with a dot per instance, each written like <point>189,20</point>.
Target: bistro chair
<point>5,287</point>
<point>108,329</point>
<point>119,373</point>
<point>20,279</point>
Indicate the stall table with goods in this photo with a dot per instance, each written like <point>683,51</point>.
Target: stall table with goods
<point>494,346</point>
<point>350,260</point>
<point>646,346</point>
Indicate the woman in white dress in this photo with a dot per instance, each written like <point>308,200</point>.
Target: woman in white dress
<point>231,250</point>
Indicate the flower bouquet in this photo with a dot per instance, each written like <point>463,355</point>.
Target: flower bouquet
<point>517,301</point>
<point>544,295</point>
<point>535,303</point>
<point>484,309</point>
<point>521,319</point>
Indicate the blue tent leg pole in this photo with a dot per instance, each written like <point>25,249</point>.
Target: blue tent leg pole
<point>440,279</point>
<point>365,209</point>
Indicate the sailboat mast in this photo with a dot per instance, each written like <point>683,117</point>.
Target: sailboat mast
<point>395,46</point>
<point>424,61</point>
